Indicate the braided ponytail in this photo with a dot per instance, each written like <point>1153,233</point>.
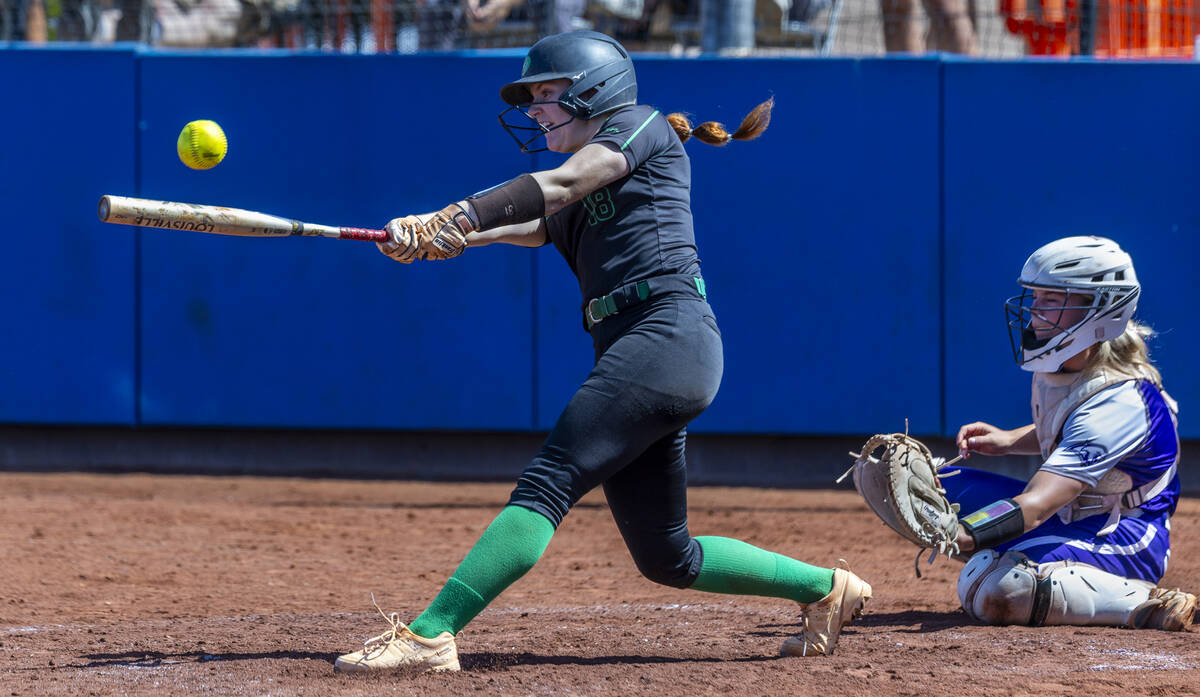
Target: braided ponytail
<point>714,133</point>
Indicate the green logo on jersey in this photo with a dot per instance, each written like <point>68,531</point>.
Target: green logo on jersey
<point>599,206</point>
<point>612,129</point>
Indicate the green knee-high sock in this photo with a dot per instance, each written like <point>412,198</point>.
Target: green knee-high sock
<point>509,547</point>
<point>734,567</point>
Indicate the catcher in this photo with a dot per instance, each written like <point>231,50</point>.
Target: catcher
<point>1087,539</point>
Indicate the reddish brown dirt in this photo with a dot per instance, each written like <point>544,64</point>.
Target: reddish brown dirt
<point>193,585</point>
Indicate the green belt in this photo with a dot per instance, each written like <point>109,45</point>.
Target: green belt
<point>598,309</point>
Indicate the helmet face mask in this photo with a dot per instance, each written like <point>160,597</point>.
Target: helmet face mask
<point>1100,292</point>
<point>525,131</point>
<point>1025,335</point>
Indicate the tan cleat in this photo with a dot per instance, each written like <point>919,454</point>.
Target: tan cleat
<point>399,647</point>
<point>1172,610</point>
<point>821,622</point>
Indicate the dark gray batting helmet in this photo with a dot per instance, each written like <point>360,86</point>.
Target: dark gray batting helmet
<point>599,68</point>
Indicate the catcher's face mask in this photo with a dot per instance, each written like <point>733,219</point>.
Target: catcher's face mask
<point>1039,317</point>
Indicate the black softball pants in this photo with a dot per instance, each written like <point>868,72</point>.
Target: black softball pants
<point>658,366</point>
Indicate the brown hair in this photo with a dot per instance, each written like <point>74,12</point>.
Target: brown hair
<point>1127,353</point>
<point>714,133</point>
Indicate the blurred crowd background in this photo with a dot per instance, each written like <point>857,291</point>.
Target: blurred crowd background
<point>1129,29</point>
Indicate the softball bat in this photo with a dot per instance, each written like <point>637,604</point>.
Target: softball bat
<point>219,220</point>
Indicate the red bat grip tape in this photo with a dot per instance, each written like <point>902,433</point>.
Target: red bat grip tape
<point>357,233</point>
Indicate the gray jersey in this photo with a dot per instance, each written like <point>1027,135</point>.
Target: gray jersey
<point>1129,426</point>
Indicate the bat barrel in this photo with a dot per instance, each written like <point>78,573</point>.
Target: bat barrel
<point>195,217</point>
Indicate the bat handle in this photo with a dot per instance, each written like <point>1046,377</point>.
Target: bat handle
<point>342,233</point>
<point>357,233</point>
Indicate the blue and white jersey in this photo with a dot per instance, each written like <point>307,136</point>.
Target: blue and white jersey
<point>1129,426</point>
<point>1123,437</point>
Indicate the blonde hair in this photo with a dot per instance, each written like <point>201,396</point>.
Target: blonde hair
<point>1127,353</point>
<point>714,133</point>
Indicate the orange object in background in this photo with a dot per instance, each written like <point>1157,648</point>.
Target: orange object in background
<point>1123,28</point>
<point>382,26</point>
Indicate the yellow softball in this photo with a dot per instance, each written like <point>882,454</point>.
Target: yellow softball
<point>201,144</point>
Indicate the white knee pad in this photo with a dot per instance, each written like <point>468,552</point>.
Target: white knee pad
<point>1010,589</point>
<point>970,576</point>
<point>1079,594</point>
<point>998,589</point>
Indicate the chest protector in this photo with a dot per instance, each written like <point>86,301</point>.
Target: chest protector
<point>1055,397</point>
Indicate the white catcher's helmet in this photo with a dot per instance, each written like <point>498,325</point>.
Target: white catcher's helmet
<point>1080,267</point>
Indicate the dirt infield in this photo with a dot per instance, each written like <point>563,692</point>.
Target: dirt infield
<point>136,584</point>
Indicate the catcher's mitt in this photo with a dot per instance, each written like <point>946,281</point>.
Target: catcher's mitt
<point>902,486</point>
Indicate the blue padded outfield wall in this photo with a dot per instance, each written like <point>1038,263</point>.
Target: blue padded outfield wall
<point>857,255</point>
<point>1040,150</point>
<point>313,332</point>
<point>67,287</point>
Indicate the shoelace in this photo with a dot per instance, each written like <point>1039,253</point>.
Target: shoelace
<point>804,631</point>
<point>392,635</point>
<point>804,621</point>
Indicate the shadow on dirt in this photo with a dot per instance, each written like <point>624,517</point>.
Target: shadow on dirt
<point>917,621</point>
<point>910,621</point>
<point>483,662</point>
<point>147,659</point>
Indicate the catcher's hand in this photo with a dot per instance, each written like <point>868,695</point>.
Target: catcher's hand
<point>902,486</point>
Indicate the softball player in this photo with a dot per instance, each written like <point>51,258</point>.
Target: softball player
<point>619,212</point>
<point>1086,540</point>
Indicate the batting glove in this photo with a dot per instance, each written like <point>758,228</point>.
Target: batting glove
<point>404,243</point>
<point>445,234</point>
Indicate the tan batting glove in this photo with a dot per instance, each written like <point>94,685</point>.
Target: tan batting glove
<point>445,234</point>
<point>404,244</point>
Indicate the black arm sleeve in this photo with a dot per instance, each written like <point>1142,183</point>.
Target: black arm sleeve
<point>517,201</point>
